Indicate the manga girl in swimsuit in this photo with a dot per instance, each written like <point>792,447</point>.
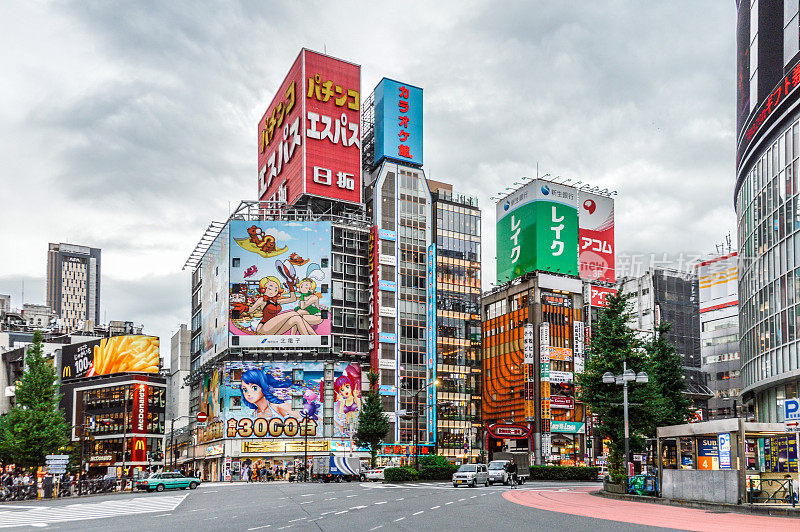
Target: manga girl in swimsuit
<point>347,397</point>
<point>272,321</point>
<point>257,394</point>
<point>308,308</point>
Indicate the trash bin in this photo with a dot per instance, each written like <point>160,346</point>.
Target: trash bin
<point>47,487</point>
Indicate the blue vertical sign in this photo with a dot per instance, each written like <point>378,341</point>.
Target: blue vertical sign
<point>724,446</point>
<point>431,341</point>
<point>398,122</point>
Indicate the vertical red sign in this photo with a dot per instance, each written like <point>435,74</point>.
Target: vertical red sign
<point>374,308</point>
<point>596,236</point>
<point>332,96</point>
<point>139,424</point>
<point>281,141</point>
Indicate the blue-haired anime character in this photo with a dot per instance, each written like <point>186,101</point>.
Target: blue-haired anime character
<point>257,394</point>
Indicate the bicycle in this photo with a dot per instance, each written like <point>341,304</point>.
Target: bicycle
<point>513,481</point>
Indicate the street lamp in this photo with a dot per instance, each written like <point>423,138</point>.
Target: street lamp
<point>628,375</point>
<point>416,421</point>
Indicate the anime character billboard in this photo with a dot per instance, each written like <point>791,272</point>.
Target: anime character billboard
<point>279,283</point>
<point>271,400</point>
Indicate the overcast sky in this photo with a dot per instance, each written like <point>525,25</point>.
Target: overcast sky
<point>130,126</point>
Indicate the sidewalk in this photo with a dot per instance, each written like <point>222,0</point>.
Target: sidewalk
<point>783,510</point>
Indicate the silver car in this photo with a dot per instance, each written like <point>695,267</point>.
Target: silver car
<point>471,475</point>
<point>497,471</point>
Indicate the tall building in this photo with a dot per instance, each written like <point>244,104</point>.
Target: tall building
<point>73,284</point>
<point>766,201</point>
<point>672,296</point>
<point>177,413</point>
<point>719,334</point>
<point>403,263</point>
<point>457,233</point>
<point>281,289</point>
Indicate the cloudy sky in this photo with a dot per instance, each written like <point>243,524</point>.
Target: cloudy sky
<point>130,126</point>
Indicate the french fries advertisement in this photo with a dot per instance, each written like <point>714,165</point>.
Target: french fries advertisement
<point>118,354</point>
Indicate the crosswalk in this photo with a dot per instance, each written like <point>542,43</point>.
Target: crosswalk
<point>41,515</point>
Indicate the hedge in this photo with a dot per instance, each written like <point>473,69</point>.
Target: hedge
<point>436,468</point>
<point>400,474</point>
<point>563,473</point>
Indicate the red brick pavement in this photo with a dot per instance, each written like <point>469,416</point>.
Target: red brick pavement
<point>578,501</point>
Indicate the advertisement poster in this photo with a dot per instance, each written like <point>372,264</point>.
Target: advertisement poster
<point>596,236</point>
<point>332,100</point>
<point>597,296</point>
<point>271,400</point>
<point>537,229</point>
<point>118,354</point>
<point>398,122</point>
<point>707,453</point>
<point>214,297</point>
<point>279,284</point>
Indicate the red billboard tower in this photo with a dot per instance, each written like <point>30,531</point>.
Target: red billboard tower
<point>309,139</point>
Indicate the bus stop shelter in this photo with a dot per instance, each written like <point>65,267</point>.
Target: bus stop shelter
<point>713,461</point>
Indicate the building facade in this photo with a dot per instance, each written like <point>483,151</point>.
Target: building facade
<point>766,201</point>
<point>671,296</point>
<point>457,233</point>
<point>73,284</point>
<point>719,334</point>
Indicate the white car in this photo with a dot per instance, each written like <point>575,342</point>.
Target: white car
<point>374,474</point>
<point>471,475</point>
<point>497,472</point>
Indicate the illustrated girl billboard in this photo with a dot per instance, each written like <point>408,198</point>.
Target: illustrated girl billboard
<point>279,287</point>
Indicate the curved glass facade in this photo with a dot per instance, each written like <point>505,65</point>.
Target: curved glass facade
<point>768,216</point>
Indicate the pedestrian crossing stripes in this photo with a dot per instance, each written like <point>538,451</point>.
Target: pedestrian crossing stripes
<point>39,516</point>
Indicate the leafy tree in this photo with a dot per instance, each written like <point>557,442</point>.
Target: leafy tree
<point>614,344</point>
<point>373,423</point>
<point>671,405</point>
<point>35,426</point>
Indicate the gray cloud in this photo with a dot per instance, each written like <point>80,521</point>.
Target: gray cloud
<point>136,123</point>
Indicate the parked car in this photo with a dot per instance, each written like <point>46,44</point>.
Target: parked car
<point>375,474</point>
<point>497,471</point>
<point>471,475</point>
<point>162,481</point>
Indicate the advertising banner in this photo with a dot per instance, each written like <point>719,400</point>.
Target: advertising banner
<point>578,343</point>
<point>596,235</point>
<point>398,122</point>
<point>118,354</point>
<point>374,300</point>
<point>559,401</point>
<point>561,353</point>
<point>567,427</point>
<point>214,296</point>
<point>597,296</point>
<point>537,229</point>
<point>279,292</point>
<point>431,341</point>
<point>558,377</point>
<point>139,413</point>
<point>528,348</point>
<point>280,140</point>
<point>139,449</point>
<point>724,446</point>
<point>271,400</point>
<point>309,139</point>
<point>332,99</point>
<point>718,283</point>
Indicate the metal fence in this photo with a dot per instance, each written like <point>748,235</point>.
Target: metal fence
<point>771,491</point>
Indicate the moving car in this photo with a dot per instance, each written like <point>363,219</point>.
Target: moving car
<point>471,475</point>
<point>162,481</point>
<point>374,474</point>
<point>497,471</point>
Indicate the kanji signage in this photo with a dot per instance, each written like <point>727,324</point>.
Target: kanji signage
<point>537,229</point>
<point>596,236</point>
<point>309,140</point>
<point>398,122</point>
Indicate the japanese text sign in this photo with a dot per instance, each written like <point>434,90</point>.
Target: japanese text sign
<point>398,122</point>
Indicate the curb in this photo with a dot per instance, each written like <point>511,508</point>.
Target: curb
<point>716,507</point>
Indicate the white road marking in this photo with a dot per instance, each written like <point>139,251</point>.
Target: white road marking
<point>295,520</point>
<point>330,499</point>
<point>348,496</point>
<point>307,502</point>
<point>91,510</point>
<point>473,496</point>
<point>451,502</point>
<point>401,499</point>
<point>375,528</point>
<point>259,527</point>
<point>210,491</point>
<point>459,500</point>
<point>164,515</point>
<point>342,512</point>
<point>382,502</point>
<point>417,513</point>
<point>435,507</point>
<point>326,513</point>
<point>399,519</point>
<point>307,495</point>
<point>357,507</point>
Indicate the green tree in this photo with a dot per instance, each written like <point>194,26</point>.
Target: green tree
<point>35,426</point>
<point>671,405</point>
<point>373,423</point>
<point>613,345</point>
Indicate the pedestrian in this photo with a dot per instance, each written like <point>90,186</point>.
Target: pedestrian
<point>249,475</point>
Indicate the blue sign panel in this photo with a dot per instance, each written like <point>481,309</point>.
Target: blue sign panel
<point>791,409</point>
<point>724,446</point>
<point>389,286</point>
<point>386,234</point>
<point>387,338</point>
<point>398,122</point>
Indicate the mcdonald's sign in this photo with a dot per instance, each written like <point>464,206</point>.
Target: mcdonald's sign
<point>139,446</point>
<point>67,372</point>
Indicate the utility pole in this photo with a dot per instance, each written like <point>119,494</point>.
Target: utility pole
<point>416,430</point>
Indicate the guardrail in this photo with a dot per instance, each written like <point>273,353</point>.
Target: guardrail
<point>771,491</point>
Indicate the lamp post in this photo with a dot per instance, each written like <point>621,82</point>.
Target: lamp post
<point>416,421</point>
<point>628,375</point>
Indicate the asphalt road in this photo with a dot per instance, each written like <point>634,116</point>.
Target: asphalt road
<point>311,506</point>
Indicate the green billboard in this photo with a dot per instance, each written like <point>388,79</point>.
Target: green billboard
<point>537,229</point>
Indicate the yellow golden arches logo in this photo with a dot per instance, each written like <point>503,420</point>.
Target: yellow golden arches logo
<point>67,371</point>
<point>139,445</point>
